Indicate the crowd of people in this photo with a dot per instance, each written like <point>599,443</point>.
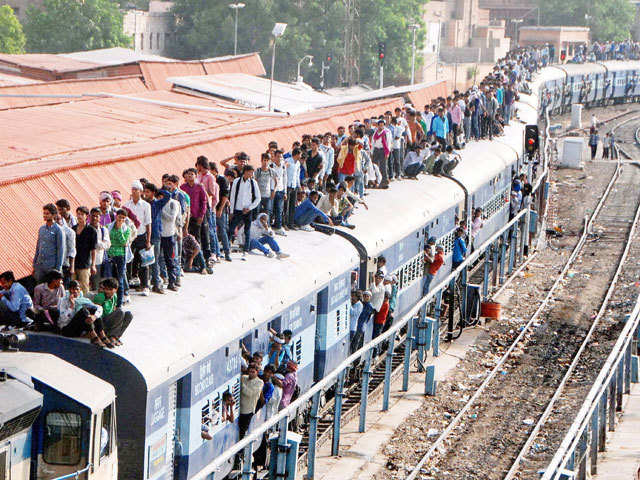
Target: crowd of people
<point>89,259</point>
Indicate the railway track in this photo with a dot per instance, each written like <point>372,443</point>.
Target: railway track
<point>547,356</point>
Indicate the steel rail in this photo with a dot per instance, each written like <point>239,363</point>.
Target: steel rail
<point>578,356</point>
<point>454,422</point>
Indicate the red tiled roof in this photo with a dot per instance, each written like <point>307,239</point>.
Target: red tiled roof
<point>106,143</point>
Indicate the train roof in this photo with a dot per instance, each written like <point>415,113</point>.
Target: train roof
<point>399,210</point>
<point>619,65</point>
<point>582,68</point>
<point>16,398</point>
<point>171,332</point>
<point>62,376</point>
<point>547,74</point>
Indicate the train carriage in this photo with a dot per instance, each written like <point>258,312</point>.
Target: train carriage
<point>183,352</point>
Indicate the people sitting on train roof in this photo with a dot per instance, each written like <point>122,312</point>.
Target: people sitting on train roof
<point>307,212</point>
<point>46,297</point>
<point>261,236</point>
<point>78,316</point>
<point>115,321</point>
<point>15,302</point>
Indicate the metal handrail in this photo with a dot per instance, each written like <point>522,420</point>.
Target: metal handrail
<point>75,475</point>
<point>331,377</point>
<point>570,441</point>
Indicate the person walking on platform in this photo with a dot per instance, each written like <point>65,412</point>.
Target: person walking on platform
<point>594,139</point>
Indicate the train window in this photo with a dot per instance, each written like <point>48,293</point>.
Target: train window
<point>105,433</point>
<point>255,333</point>
<point>236,394</point>
<point>62,438</point>
<point>226,351</point>
<point>298,352</point>
<point>338,322</point>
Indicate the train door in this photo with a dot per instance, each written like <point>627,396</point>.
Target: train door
<point>104,464</point>
<point>5,467</point>
<point>324,333</point>
<point>172,429</point>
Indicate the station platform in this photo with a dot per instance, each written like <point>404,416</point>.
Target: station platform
<point>621,459</point>
<point>361,454</point>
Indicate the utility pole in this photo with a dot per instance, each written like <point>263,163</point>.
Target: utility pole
<point>381,54</point>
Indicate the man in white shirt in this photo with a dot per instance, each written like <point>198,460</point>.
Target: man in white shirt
<point>142,210</point>
<point>293,184</point>
<point>245,197</point>
<point>377,291</point>
<point>280,168</point>
<point>382,144</point>
<point>329,157</point>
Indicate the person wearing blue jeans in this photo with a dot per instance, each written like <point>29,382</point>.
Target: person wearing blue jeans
<point>278,209</point>
<point>261,235</point>
<point>307,212</point>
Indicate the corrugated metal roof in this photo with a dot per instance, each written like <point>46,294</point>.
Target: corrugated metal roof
<point>131,84</point>
<point>424,95</point>
<point>114,56</point>
<point>9,80</point>
<point>46,61</point>
<point>75,150</point>
<point>156,73</point>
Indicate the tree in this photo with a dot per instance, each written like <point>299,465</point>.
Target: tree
<point>11,36</point>
<point>314,27</point>
<point>608,19</point>
<point>72,25</point>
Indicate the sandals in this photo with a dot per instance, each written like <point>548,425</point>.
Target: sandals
<point>95,340</point>
<point>115,341</point>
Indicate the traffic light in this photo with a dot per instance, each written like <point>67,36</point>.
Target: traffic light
<point>531,139</point>
<point>381,51</point>
<point>329,58</point>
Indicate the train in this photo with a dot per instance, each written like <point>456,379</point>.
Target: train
<point>55,418</point>
<point>183,353</point>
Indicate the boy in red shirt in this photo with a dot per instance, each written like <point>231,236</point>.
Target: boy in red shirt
<point>432,265</point>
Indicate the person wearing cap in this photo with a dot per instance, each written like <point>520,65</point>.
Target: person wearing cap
<point>107,212</point>
<point>86,249</point>
<point>142,241</point>
<point>380,317</point>
<point>377,290</point>
<point>381,150</point>
<point>459,248</point>
<point>50,245</point>
<point>103,243</point>
<point>288,384</point>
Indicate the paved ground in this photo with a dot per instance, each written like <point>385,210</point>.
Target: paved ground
<point>621,460</point>
<point>360,458</point>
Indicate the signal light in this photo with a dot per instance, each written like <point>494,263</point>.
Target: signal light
<point>329,58</point>
<point>531,139</point>
<point>381,51</point>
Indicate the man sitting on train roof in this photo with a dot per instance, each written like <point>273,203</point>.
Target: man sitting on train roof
<point>78,316</point>
<point>15,302</point>
<point>307,213</point>
<point>114,319</point>
<point>46,297</point>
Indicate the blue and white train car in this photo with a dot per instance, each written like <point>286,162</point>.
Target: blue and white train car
<point>182,352</point>
<point>72,418</point>
<point>623,77</point>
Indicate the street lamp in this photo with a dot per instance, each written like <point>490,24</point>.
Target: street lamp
<point>413,27</point>
<point>236,7</point>
<point>310,57</point>
<point>278,31</point>
<point>517,21</point>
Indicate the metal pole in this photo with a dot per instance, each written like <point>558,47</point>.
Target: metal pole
<point>503,254</point>
<point>513,233</point>
<point>273,66</point>
<point>485,277</point>
<point>313,435</point>
<point>594,442</point>
<point>452,299</point>
<point>366,374</point>
<point>627,370</point>
<point>421,340</point>
<point>283,448</point>
<point>436,327</point>
<point>408,345</point>
<point>247,471</point>
<point>387,375</point>
<point>235,34</point>
<point>335,444</point>
<point>381,76</point>
<point>413,58</point>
